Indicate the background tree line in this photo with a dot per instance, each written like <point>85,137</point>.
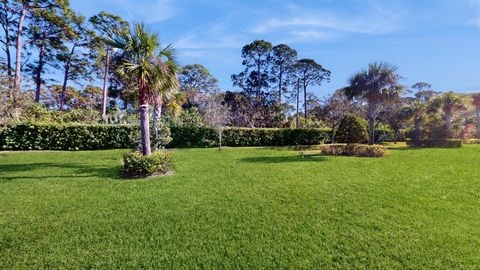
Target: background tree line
<point>62,67</point>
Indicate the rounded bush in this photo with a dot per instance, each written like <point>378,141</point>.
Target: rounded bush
<point>352,129</point>
<point>136,164</point>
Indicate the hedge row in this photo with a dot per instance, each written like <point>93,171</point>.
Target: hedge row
<point>207,137</point>
<point>452,143</point>
<point>29,136</point>
<point>65,137</point>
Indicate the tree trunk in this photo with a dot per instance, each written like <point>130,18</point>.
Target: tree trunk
<point>38,75</point>
<point>418,128</point>
<point>477,112</point>
<point>64,86</point>
<point>305,98</point>
<point>6,28</point>
<point>9,57</point>
<point>297,119</point>
<point>145,129</point>
<point>65,79</point>
<point>105,82</point>
<point>220,131</point>
<point>280,81</point>
<point>372,115</point>
<point>333,135</point>
<point>18,63</point>
<point>448,121</point>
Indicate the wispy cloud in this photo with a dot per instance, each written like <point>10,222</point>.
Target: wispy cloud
<point>375,19</point>
<point>150,11</point>
<point>220,33</point>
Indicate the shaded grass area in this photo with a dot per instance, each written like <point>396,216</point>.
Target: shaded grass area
<point>242,208</point>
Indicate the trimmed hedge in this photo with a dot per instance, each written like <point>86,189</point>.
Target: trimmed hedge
<point>356,150</point>
<point>207,137</point>
<point>472,141</point>
<point>65,137</point>
<point>453,143</point>
<point>29,136</point>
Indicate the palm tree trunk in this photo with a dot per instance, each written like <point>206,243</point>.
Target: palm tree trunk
<point>145,129</point>
<point>157,115</point>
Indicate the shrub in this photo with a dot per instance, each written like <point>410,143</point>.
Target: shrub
<point>357,150</point>
<point>453,143</point>
<point>472,141</point>
<point>207,137</point>
<point>352,129</point>
<point>388,135</point>
<point>29,136</point>
<point>136,164</point>
<point>191,136</point>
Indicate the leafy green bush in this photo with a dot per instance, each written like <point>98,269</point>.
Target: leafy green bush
<point>207,137</point>
<point>472,141</point>
<point>388,135</point>
<point>28,136</point>
<point>352,129</point>
<point>136,164</point>
<point>357,150</point>
<point>452,143</point>
<point>191,136</point>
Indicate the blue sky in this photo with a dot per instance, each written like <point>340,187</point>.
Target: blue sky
<point>436,41</point>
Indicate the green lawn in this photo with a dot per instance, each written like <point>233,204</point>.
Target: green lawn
<point>242,208</point>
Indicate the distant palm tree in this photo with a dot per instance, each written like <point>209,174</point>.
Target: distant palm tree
<point>450,103</point>
<point>375,85</point>
<point>476,103</point>
<point>153,71</point>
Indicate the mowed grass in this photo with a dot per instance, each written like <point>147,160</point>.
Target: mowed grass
<point>242,208</point>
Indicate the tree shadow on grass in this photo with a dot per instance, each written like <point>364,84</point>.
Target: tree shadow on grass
<point>58,170</point>
<point>286,159</point>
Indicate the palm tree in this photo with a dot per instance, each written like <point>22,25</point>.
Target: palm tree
<point>376,85</point>
<point>420,107</point>
<point>476,103</point>
<point>450,103</point>
<point>152,71</point>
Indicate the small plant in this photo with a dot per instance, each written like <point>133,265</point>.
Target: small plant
<point>135,164</point>
<point>357,150</point>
